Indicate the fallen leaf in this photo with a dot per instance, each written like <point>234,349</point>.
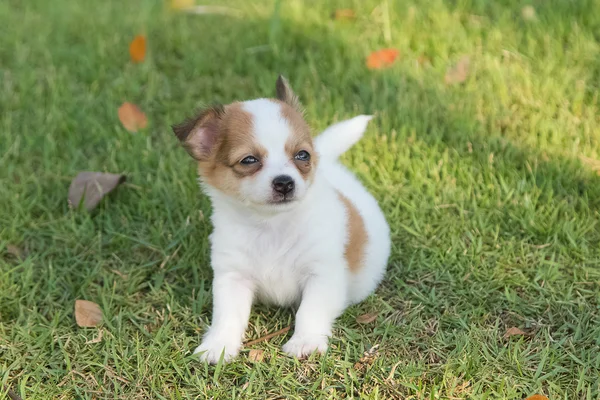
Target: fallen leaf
<point>182,4</point>
<point>537,397</point>
<point>367,318</point>
<point>87,313</point>
<point>344,14</point>
<point>137,49</point>
<point>132,118</point>
<point>92,187</point>
<point>382,58</point>
<point>97,339</point>
<point>528,13</point>
<point>256,355</point>
<point>459,72</point>
<point>367,359</point>
<point>513,331</point>
<point>15,251</point>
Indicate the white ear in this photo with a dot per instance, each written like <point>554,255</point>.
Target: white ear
<point>339,137</point>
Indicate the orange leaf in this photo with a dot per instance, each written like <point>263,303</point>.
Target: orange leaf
<point>137,49</point>
<point>367,318</point>
<point>182,4</point>
<point>87,313</point>
<point>513,332</point>
<point>537,397</point>
<point>132,118</point>
<point>344,14</point>
<point>382,58</point>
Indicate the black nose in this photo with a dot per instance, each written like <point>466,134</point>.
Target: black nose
<point>283,184</point>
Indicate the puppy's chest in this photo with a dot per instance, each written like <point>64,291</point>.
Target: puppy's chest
<point>278,266</point>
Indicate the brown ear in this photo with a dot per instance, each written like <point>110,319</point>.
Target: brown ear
<point>199,134</point>
<point>286,94</point>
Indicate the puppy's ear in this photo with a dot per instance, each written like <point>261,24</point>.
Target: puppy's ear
<point>199,134</point>
<point>286,94</point>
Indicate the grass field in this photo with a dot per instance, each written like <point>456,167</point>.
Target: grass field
<point>490,187</point>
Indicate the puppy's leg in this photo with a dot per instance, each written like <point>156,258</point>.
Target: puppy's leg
<point>323,300</point>
<point>232,300</point>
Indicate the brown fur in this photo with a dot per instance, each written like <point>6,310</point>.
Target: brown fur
<point>357,236</point>
<point>219,138</point>
<point>300,139</point>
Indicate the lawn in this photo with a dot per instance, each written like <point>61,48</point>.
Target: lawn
<point>490,186</point>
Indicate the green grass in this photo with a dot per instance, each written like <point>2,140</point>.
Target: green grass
<point>495,219</point>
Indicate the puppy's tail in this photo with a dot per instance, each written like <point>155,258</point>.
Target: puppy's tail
<point>338,138</point>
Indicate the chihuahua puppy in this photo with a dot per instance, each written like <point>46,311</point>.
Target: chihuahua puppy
<point>292,226</point>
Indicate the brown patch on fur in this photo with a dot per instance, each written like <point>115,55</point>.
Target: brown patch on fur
<point>357,236</point>
<point>219,138</point>
<point>235,142</point>
<point>300,139</point>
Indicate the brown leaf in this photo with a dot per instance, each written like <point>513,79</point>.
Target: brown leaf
<point>537,397</point>
<point>528,13</point>
<point>344,14</point>
<point>87,314</point>
<point>367,359</point>
<point>513,331</point>
<point>132,118</point>
<point>182,4</point>
<point>15,251</point>
<point>256,355</point>
<point>137,49</point>
<point>382,58</point>
<point>92,187</point>
<point>367,318</point>
<point>97,339</point>
<point>459,72</point>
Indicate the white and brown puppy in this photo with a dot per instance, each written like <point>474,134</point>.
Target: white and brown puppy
<point>292,226</point>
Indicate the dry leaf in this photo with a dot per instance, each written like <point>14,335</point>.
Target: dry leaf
<point>459,72</point>
<point>97,339</point>
<point>132,118</point>
<point>537,397</point>
<point>528,13</point>
<point>344,14</point>
<point>256,355</point>
<point>87,313</point>
<point>367,318</point>
<point>513,332</point>
<point>15,251</point>
<point>382,58</point>
<point>367,359</point>
<point>182,4</point>
<point>92,187</point>
<point>137,49</point>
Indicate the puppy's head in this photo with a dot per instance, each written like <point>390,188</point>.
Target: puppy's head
<point>259,152</point>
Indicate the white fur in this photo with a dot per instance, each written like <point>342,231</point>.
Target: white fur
<point>291,255</point>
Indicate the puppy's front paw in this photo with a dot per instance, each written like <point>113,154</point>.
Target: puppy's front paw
<point>304,345</point>
<point>216,343</point>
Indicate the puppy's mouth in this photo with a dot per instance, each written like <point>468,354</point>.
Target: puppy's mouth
<point>279,199</point>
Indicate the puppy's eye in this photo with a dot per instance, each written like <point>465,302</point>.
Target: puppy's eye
<point>249,160</point>
<point>302,155</point>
